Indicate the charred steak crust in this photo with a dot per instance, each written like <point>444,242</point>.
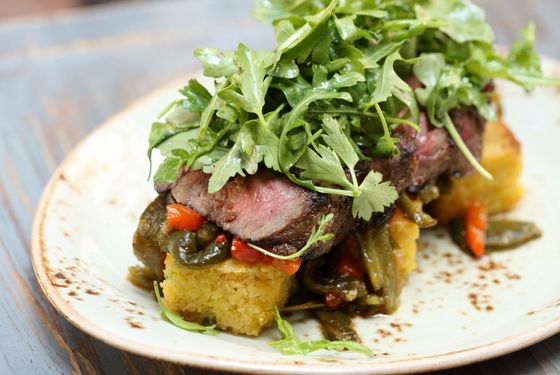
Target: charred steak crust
<point>294,235</point>
<point>267,209</point>
<point>430,153</point>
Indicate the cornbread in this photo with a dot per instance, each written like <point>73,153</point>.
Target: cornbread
<point>236,296</point>
<point>501,156</point>
<point>404,233</point>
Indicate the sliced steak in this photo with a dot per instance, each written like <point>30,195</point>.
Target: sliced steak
<point>430,153</point>
<point>266,209</point>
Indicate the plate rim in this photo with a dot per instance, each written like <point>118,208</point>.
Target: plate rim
<point>417,364</point>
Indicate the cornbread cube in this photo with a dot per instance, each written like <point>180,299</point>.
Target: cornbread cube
<point>404,233</point>
<point>238,297</point>
<point>501,156</point>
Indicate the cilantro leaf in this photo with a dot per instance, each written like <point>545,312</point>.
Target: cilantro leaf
<point>324,165</point>
<point>338,141</point>
<point>374,196</point>
<point>290,344</point>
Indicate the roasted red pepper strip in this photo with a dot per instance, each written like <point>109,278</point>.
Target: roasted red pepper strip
<point>286,265</point>
<point>245,253</point>
<point>332,300</point>
<point>475,224</point>
<point>349,265</point>
<point>182,217</point>
<point>221,238</point>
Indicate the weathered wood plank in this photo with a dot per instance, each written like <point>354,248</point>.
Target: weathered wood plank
<point>60,77</point>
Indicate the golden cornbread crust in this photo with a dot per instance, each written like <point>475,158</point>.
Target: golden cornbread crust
<point>501,156</point>
<point>404,233</point>
<point>238,297</point>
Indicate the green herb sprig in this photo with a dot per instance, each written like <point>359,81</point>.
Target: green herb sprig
<point>178,321</point>
<point>290,344</point>
<point>317,235</point>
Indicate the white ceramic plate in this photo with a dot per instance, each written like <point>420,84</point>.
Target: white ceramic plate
<point>454,310</point>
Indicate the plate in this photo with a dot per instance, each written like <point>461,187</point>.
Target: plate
<point>454,310</point>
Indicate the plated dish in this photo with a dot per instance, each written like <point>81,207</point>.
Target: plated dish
<point>79,267</point>
<point>302,180</point>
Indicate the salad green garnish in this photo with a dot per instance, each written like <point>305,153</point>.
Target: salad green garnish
<point>178,321</point>
<point>290,344</point>
<point>317,235</point>
<point>333,90</point>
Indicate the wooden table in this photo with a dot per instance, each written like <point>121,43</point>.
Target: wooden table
<point>62,76</point>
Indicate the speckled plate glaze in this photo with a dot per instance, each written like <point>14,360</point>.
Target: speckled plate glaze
<point>454,310</point>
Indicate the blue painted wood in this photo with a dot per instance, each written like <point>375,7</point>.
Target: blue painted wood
<point>62,76</point>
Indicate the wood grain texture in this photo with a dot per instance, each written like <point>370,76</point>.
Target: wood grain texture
<point>61,76</point>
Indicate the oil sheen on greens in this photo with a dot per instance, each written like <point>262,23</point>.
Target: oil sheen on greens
<point>333,90</point>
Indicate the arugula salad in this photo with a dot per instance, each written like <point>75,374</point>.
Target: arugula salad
<point>315,159</point>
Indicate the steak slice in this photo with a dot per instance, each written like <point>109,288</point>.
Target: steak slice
<point>265,209</point>
<point>430,153</point>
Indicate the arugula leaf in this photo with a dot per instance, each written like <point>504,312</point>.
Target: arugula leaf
<point>268,11</point>
<point>215,104</point>
<point>348,30</point>
<point>428,70</point>
<point>460,19</point>
<point>198,97</point>
<point>180,140</point>
<point>390,84</point>
<point>216,63</point>
<point>305,39</point>
<point>266,144</point>
<point>178,320</point>
<point>372,56</point>
<point>445,90</point>
<point>242,157</point>
<point>290,344</point>
<point>252,80</point>
<point>521,66</point>
<point>168,170</point>
<point>159,133</point>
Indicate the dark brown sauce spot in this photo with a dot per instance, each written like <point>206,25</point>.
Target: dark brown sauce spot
<point>58,285</point>
<point>135,325</point>
<point>384,333</point>
<point>132,323</point>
